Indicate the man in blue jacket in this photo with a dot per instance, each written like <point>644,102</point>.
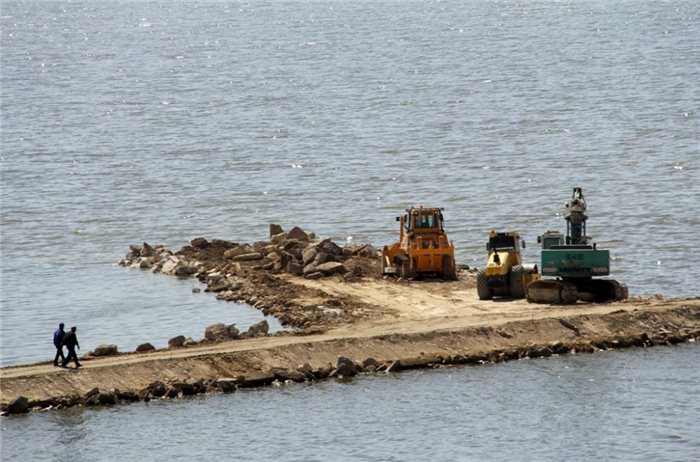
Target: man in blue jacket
<point>58,343</point>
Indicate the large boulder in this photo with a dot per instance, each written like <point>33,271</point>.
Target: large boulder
<point>147,250</point>
<point>107,398</point>
<point>314,275</point>
<point>329,247</point>
<point>298,234</point>
<point>310,268</point>
<point>324,257</point>
<point>145,347</point>
<point>275,229</point>
<point>293,249</point>
<point>227,384</point>
<point>294,268</point>
<point>134,251</point>
<point>269,250</point>
<point>331,268</point>
<point>170,264</point>
<point>186,388</point>
<point>369,251</point>
<point>345,367</point>
<point>259,329</point>
<point>233,331</point>
<point>238,250</point>
<point>185,270</point>
<point>19,405</point>
<point>252,256</point>
<point>176,342</point>
<point>286,375</point>
<point>105,350</point>
<point>199,243</point>
<point>156,388</point>
<point>309,255</point>
<point>217,331</point>
<point>278,238</point>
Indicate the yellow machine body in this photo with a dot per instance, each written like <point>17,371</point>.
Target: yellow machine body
<point>505,273</point>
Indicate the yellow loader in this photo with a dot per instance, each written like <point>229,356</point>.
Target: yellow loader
<point>423,247</point>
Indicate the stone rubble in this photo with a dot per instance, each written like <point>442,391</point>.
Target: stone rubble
<point>255,273</point>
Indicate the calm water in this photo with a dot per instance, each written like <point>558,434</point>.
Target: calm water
<point>125,122</point>
<point>636,405</point>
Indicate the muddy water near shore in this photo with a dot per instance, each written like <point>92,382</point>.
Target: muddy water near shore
<point>632,405</point>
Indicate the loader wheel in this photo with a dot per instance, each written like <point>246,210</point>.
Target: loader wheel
<point>405,270</point>
<point>482,286</point>
<point>517,288</point>
<point>449,272</point>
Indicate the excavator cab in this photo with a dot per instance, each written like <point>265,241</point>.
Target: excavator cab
<point>423,247</point>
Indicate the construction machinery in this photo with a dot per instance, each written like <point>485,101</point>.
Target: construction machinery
<point>505,274</point>
<point>575,263</point>
<point>423,247</point>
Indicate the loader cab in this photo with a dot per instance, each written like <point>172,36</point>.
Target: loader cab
<point>423,220</point>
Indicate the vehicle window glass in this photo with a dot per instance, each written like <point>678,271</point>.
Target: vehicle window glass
<point>502,242</point>
<point>425,221</point>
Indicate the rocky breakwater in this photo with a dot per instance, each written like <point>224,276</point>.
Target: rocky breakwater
<point>177,388</point>
<point>259,274</point>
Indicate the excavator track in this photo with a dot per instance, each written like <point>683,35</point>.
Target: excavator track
<point>607,290</point>
<point>621,290</point>
<point>552,292</point>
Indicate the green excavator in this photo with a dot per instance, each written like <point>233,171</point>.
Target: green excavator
<point>575,262</point>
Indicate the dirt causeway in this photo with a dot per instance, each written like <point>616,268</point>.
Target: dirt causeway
<point>346,321</point>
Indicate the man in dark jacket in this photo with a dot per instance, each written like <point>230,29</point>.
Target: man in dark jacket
<point>58,343</point>
<point>71,341</point>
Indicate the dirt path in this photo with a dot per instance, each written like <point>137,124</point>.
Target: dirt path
<point>399,308</point>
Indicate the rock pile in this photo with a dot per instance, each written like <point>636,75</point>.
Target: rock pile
<point>253,273</point>
<point>296,252</point>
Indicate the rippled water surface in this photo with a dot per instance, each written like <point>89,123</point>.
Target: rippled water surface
<point>160,122</point>
<point>125,122</point>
